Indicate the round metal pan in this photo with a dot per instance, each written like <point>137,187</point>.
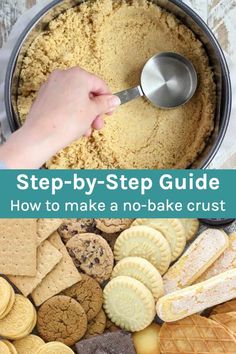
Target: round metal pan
<point>217,60</point>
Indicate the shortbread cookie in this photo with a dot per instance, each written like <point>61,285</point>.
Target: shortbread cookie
<point>89,294</point>
<point>63,319</point>
<point>128,303</point>
<point>198,297</point>
<point>7,297</point>
<point>46,227</point>
<point>47,258</point>
<point>54,348</point>
<point>10,346</point>
<point>97,325</point>
<point>20,319</point>
<point>199,256</point>
<point>29,344</point>
<point>18,246</point>
<point>146,242</point>
<point>142,270</point>
<point>172,229</point>
<point>72,227</point>
<point>113,225</point>
<point>196,335</point>
<point>147,341</point>
<point>60,278</point>
<point>191,227</point>
<point>91,255</point>
<point>227,320</point>
<point>229,306</point>
<point>225,262</point>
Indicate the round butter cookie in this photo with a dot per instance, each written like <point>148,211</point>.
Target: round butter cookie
<point>129,304</point>
<point>10,303</point>
<point>54,348</point>
<point>11,347</point>
<point>91,255</point>
<point>142,270</point>
<point>147,341</point>
<point>7,297</point>
<point>191,227</point>
<point>4,348</point>
<point>29,344</point>
<point>89,294</point>
<point>63,319</point>
<point>172,229</point>
<point>146,242</point>
<point>111,226</point>
<point>19,320</point>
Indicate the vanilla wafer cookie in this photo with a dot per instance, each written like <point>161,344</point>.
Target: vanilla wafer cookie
<point>11,347</point>
<point>198,297</point>
<point>227,320</point>
<point>191,227</point>
<point>54,348</point>
<point>225,262</point>
<point>198,257</point>
<point>128,303</point>
<point>29,344</point>
<point>9,305</point>
<point>172,229</point>
<point>7,297</point>
<point>229,306</point>
<point>4,348</point>
<point>196,335</point>
<point>142,270</point>
<point>146,242</point>
<point>20,321</point>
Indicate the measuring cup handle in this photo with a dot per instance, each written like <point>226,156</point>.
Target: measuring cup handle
<point>130,94</point>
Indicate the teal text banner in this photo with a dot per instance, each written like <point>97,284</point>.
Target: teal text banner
<point>117,193</point>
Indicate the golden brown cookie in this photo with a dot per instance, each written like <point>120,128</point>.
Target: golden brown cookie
<point>4,348</point>
<point>229,306</point>
<point>89,294</point>
<point>91,255</point>
<point>97,325</point>
<point>111,226</point>
<point>54,348</point>
<point>63,319</point>
<point>29,344</point>
<point>72,227</point>
<point>11,347</point>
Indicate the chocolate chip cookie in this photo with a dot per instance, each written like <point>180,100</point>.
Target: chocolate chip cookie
<point>89,294</point>
<point>62,319</point>
<point>91,255</point>
<point>72,227</point>
<point>113,225</point>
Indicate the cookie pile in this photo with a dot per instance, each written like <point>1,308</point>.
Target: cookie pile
<point>97,280</point>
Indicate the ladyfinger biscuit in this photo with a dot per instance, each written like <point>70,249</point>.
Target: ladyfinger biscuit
<point>198,257</point>
<point>225,262</point>
<point>198,297</point>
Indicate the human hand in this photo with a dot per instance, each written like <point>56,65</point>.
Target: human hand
<point>69,104</point>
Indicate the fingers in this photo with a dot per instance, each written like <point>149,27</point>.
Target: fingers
<point>98,86</point>
<point>98,123</point>
<point>105,104</point>
<point>88,133</point>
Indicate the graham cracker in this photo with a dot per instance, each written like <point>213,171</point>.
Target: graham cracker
<point>47,258</point>
<point>18,246</point>
<point>63,276</point>
<point>46,227</point>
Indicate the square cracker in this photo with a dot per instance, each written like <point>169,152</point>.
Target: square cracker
<point>48,257</point>
<point>46,227</point>
<point>18,246</point>
<point>60,278</point>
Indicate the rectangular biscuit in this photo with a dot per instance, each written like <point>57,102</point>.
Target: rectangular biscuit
<point>198,297</point>
<point>46,227</point>
<point>48,257</point>
<point>203,252</point>
<point>18,246</point>
<point>225,262</point>
<point>60,278</point>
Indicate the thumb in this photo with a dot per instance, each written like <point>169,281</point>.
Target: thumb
<point>105,103</point>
